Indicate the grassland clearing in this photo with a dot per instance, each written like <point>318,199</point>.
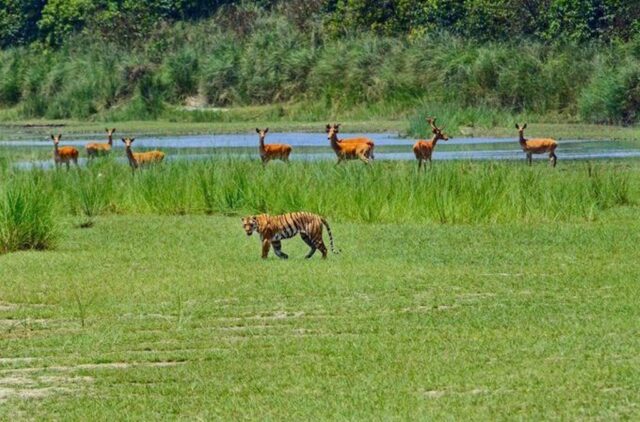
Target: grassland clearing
<point>181,317</point>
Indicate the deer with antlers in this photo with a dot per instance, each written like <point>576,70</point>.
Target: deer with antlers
<point>423,149</point>
<point>270,152</point>
<point>537,146</point>
<point>63,155</point>
<point>348,150</point>
<point>139,159</point>
<point>95,149</point>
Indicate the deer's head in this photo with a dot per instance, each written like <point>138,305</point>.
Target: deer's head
<point>332,130</point>
<point>56,139</point>
<point>128,141</point>
<point>437,132</point>
<point>262,133</point>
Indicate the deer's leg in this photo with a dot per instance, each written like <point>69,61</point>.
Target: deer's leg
<point>419,163</point>
<point>553,158</point>
<point>266,244</point>
<point>529,158</point>
<point>67,164</point>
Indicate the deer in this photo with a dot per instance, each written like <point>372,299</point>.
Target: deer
<point>348,150</point>
<point>95,149</point>
<point>63,154</point>
<point>423,148</point>
<point>272,151</point>
<point>361,140</point>
<point>537,146</point>
<point>140,159</point>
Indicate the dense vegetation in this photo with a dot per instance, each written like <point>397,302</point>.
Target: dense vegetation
<point>385,193</point>
<point>138,60</point>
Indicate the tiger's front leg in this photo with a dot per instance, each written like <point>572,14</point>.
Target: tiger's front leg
<point>277,248</point>
<point>266,244</point>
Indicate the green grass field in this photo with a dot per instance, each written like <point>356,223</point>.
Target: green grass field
<point>145,317</point>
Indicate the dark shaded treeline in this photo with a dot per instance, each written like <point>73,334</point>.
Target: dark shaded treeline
<point>127,21</point>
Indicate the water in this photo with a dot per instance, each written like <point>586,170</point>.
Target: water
<point>315,146</point>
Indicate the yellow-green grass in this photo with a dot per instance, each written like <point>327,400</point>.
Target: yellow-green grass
<point>177,317</point>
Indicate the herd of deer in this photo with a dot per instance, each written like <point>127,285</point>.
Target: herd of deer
<point>345,149</point>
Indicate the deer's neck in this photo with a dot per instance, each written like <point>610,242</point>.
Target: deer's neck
<point>132,160</point>
<point>262,143</point>
<point>110,140</point>
<point>334,142</point>
<point>522,140</point>
<point>434,141</point>
<point>56,151</point>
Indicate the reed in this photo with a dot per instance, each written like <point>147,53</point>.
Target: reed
<point>27,213</point>
<point>386,192</point>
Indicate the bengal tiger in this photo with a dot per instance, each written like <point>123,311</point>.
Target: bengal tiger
<point>274,228</point>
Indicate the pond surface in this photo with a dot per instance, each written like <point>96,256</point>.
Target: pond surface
<point>315,146</point>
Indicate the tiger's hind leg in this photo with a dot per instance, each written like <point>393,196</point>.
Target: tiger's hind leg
<point>277,248</point>
<point>308,241</point>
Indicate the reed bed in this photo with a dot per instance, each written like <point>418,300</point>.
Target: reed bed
<point>385,192</point>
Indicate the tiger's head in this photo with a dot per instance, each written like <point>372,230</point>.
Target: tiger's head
<point>249,224</point>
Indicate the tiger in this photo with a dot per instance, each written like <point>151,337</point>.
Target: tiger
<point>274,228</point>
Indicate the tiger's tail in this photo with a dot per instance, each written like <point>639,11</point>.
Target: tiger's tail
<point>333,249</point>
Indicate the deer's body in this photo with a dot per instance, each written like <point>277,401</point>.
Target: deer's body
<point>361,140</point>
<point>348,150</point>
<point>95,149</point>
<point>63,155</point>
<point>270,152</point>
<point>423,149</point>
<point>140,159</point>
<point>537,146</point>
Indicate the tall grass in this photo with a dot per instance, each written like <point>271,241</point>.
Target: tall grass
<point>27,213</point>
<point>450,192</point>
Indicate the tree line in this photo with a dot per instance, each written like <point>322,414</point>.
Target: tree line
<point>51,22</point>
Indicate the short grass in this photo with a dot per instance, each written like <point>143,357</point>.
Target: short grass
<point>157,317</point>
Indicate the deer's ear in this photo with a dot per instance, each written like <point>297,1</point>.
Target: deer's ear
<point>328,128</point>
<point>113,130</point>
<point>59,136</point>
<point>524,126</point>
<point>124,140</point>
<point>517,127</point>
<point>52,137</point>
<point>133,139</point>
<point>266,130</point>
<point>257,130</point>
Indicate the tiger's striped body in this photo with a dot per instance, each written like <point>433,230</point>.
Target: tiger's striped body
<point>274,228</point>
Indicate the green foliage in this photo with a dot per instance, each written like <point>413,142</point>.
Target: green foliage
<point>613,95</point>
<point>61,18</point>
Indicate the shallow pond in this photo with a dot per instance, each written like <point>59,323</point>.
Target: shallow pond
<point>315,146</point>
